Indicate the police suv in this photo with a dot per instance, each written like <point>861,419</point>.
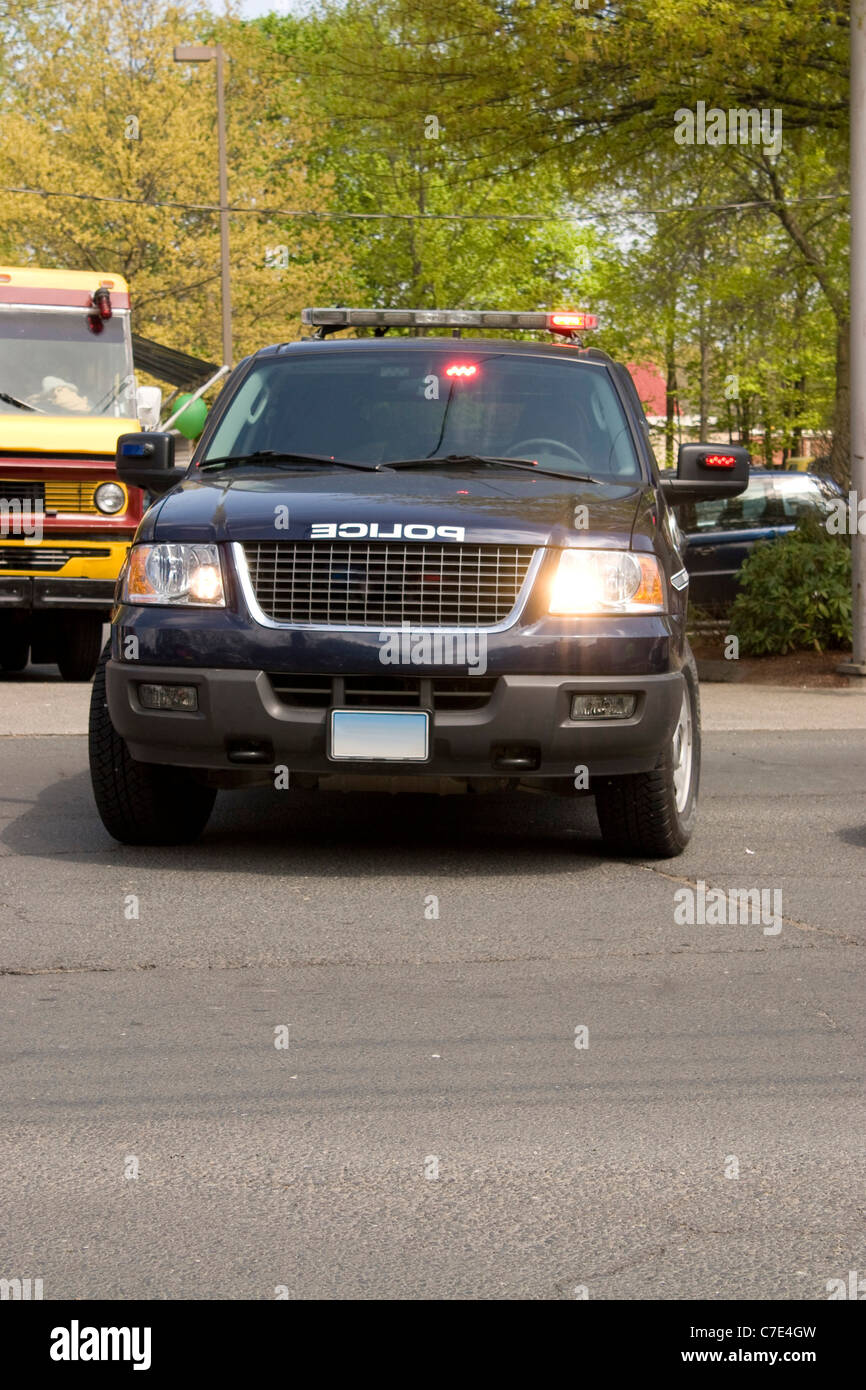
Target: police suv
<point>445,556</point>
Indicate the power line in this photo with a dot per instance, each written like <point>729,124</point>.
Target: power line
<point>433,216</point>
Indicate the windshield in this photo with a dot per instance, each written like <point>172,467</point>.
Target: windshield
<point>385,405</point>
<point>50,360</point>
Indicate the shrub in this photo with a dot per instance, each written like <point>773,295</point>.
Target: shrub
<point>795,593</point>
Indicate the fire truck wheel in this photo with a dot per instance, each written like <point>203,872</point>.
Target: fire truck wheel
<point>14,651</point>
<point>78,645</point>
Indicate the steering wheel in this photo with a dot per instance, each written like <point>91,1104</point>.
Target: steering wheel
<point>556,445</point>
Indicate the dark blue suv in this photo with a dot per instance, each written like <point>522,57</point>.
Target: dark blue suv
<point>440,556</point>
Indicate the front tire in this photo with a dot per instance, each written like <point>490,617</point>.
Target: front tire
<point>140,803</point>
<point>653,814</point>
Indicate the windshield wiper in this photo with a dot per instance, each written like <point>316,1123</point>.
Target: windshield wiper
<point>22,405</point>
<point>527,465</point>
<point>282,456</point>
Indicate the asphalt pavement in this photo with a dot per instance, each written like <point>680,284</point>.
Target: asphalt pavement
<point>369,1047</point>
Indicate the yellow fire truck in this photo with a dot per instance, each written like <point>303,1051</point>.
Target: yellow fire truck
<point>67,390</point>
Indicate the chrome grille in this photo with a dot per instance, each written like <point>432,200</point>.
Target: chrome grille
<point>377,585</point>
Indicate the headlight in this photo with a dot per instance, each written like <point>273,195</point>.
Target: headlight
<point>607,581</point>
<point>172,573</point>
<point>110,497</point>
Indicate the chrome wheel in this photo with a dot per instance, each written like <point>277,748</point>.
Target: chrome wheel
<point>683,745</point>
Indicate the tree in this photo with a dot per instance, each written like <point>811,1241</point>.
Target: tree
<point>422,255</point>
<point>596,93</point>
<point>134,126</point>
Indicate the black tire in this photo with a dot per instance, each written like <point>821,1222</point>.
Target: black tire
<point>140,803</point>
<point>78,645</point>
<point>638,814</point>
<point>14,651</point>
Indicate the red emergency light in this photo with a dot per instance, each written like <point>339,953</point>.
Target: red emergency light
<point>100,311</point>
<point>464,369</point>
<point>563,322</point>
<point>719,461</point>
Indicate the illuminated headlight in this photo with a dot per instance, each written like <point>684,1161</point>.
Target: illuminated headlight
<point>110,498</point>
<point>607,581</point>
<point>174,574</point>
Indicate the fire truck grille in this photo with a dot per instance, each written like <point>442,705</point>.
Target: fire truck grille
<point>47,559</point>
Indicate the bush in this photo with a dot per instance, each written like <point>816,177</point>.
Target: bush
<point>795,593</point>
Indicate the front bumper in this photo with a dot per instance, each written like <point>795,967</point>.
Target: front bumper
<point>242,721</point>
<point>18,592</point>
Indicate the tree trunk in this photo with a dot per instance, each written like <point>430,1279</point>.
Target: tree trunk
<point>799,411</point>
<point>670,401</point>
<point>839,466</point>
<point>768,434</point>
<point>705,373</point>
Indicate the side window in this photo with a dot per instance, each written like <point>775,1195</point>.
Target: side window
<point>751,511</point>
<point>807,498</point>
<point>239,424</point>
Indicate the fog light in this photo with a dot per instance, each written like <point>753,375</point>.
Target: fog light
<point>179,697</point>
<point>603,706</point>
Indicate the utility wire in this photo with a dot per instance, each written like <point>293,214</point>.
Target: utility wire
<point>433,216</point>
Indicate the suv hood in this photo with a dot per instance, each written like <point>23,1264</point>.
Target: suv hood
<point>487,505</point>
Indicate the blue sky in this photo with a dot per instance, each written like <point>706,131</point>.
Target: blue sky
<point>249,9</point>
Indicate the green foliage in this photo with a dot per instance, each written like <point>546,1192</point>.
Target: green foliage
<point>420,227</point>
<point>795,594</point>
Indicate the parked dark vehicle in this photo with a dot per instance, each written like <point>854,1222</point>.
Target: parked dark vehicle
<point>720,533</point>
<point>409,557</point>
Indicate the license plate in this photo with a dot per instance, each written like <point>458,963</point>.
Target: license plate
<point>389,736</point>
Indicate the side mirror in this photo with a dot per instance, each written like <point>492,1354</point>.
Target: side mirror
<point>147,461</point>
<point>706,471</point>
<point>149,400</point>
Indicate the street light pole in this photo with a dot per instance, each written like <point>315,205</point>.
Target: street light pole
<point>857,665</point>
<point>225,274</point>
<point>205,53</point>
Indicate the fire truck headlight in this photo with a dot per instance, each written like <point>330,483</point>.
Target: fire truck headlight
<point>110,498</point>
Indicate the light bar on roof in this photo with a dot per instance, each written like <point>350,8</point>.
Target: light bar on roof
<point>563,322</point>
<point>445,318</point>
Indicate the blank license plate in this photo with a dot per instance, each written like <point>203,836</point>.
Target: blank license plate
<point>391,736</point>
